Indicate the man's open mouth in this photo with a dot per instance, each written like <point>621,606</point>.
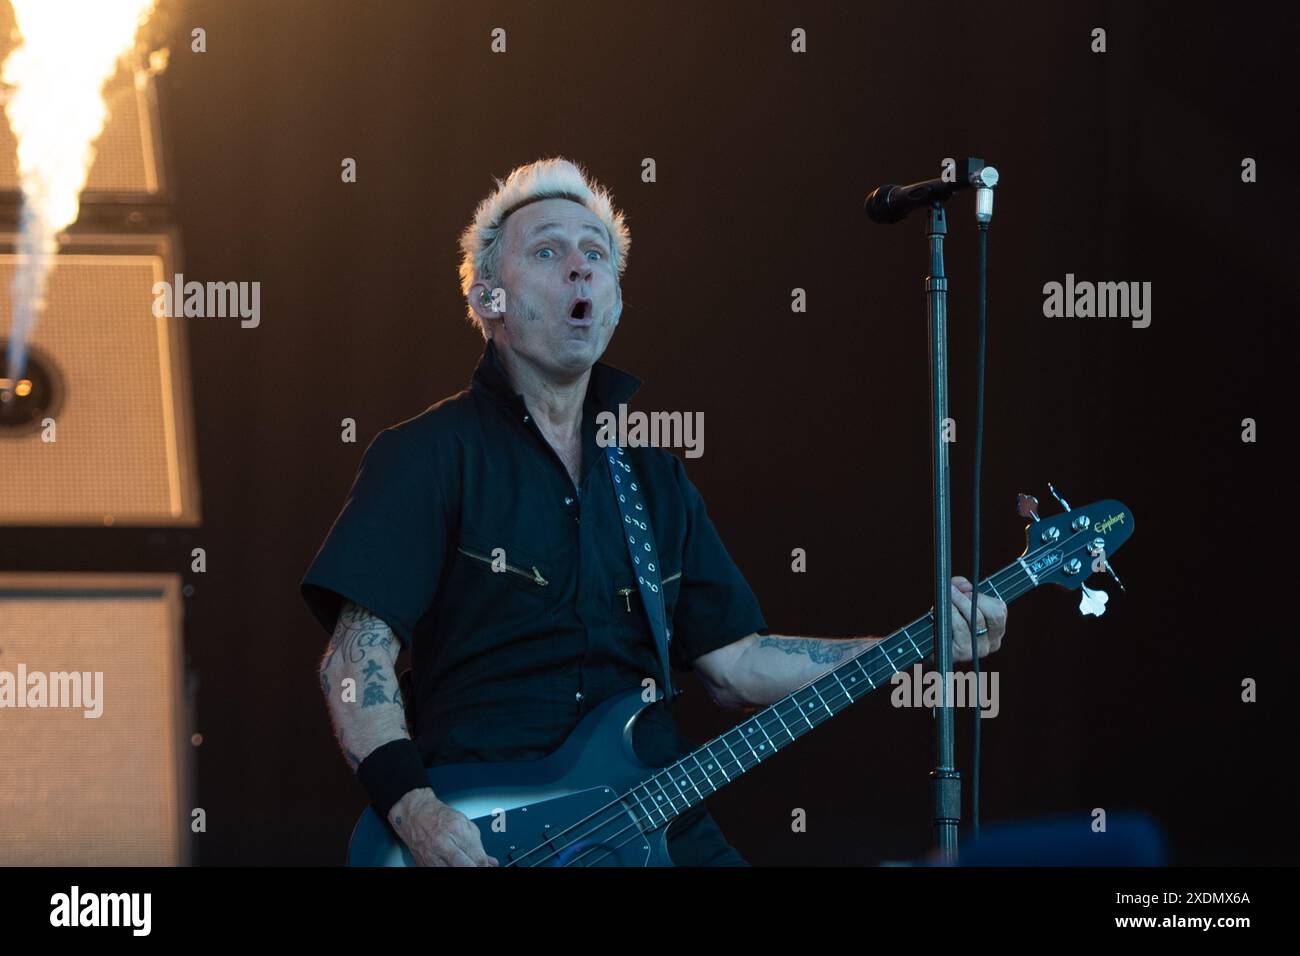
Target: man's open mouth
<point>581,309</point>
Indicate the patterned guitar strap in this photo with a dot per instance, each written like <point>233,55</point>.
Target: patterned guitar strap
<point>645,557</point>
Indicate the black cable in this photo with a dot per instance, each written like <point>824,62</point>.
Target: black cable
<point>975,563</point>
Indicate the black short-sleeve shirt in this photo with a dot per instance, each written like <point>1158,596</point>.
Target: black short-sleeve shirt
<point>506,663</point>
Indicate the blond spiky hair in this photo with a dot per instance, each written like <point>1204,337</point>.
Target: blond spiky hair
<point>482,242</point>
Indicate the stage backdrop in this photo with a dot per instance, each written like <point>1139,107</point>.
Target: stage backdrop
<point>1124,165</point>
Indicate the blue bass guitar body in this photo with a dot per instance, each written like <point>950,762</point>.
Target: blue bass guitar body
<point>573,807</point>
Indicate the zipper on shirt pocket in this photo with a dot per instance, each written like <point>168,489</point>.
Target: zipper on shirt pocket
<point>626,593</point>
<point>535,576</point>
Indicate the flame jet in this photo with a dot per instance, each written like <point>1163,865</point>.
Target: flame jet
<point>55,81</point>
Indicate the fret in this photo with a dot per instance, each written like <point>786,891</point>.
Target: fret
<point>782,719</point>
<point>745,737</point>
<point>740,734</point>
<point>836,700</point>
<point>654,795</point>
<point>672,802</point>
<point>655,804</point>
<point>707,777</point>
<point>768,747</point>
<point>709,750</point>
<point>739,763</point>
<point>862,667</point>
<point>841,692</point>
<point>682,767</point>
<point>844,690</point>
<point>799,706</point>
<point>689,778</point>
<point>780,727</point>
<point>913,643</point>
<point>680,792</point>
<point>829,712</point>
<point>666,794</point>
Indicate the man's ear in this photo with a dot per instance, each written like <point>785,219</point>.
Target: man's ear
<point>487,301</point>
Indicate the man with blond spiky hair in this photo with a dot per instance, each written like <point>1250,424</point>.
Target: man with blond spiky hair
<point>485,536</point>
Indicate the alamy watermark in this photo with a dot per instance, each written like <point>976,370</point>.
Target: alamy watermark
<point>71,689</point>
<point>208,300</point>
<point>1102,300</point>
<point>914,689</point>
<point>75,908</point>
<point>656,429</point>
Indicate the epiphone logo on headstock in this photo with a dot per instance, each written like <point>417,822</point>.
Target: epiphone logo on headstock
<point>1044,561</point>
<point>1103,526</point>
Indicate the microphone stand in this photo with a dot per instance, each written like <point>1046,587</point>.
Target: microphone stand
<point>891,204</point>
<point>945,780</point>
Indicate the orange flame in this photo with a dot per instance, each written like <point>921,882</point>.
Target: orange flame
<point>56,109</point>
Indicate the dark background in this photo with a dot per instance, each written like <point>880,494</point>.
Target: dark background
<point>1116,166</point>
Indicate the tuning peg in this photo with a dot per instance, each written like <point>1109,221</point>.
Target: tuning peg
<point>1098,551</point>
<point>1064,504</point>
<point>1027,506</point>
<point>1111,571</point>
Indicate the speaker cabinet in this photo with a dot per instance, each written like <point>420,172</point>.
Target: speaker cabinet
<point>123,448</point>
<point>78,790</point>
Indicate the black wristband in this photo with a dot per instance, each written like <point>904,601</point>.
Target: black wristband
<point>391,772</point>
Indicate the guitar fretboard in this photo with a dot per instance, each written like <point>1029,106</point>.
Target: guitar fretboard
<point>672,791</point>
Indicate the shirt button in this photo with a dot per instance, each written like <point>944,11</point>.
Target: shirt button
<point>568,501</point>
<point>578,696</point>
<point>525,418</point>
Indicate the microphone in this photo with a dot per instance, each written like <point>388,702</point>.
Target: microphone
<point>892,203</point>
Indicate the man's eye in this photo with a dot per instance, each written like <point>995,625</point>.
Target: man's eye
<point>544,249</point>
<point>595,252</point>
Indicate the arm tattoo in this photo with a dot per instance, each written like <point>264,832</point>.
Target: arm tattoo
<point>356,632</point>
<point>820,652</point>
<point>363,645</point>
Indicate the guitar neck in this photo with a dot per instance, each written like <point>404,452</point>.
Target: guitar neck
<point>657,800</point>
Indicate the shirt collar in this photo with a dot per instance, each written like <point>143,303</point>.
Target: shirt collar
<point>607,388</point>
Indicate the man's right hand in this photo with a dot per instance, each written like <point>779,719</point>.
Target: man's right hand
<point>437,834</point>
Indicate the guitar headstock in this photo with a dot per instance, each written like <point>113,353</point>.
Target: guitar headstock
<point>1068,548</point>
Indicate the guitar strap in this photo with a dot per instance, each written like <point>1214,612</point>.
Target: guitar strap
<point>645,556</point>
